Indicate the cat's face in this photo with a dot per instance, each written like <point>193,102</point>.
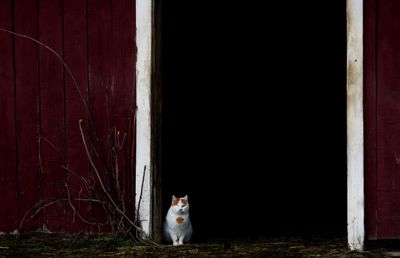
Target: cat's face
<point>180,205</point>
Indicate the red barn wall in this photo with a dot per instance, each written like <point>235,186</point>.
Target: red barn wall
<point>40,107</point>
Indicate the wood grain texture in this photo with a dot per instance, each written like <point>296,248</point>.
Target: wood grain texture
<point>156,115</point>
<point>121,93</point>
<point>41,107</point>
<point>52,111</point>
<point>388,124</point>
<point>28,111</point>
<point>370,117</point>
<point>75,55</point>
<point>382,123</point>
<point>355,133</point>
<point>8,172</point>
<point>100,82</point>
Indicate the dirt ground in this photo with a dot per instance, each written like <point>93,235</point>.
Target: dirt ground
<point>55,245</point>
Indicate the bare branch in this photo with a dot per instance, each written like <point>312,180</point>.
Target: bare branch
<point>51,145</point>
<point>141,194</point>
<point>107,173</point>
<point>40,156</point>
<point>59,58</point>
<point>102,185</point>
<point>74,210</point>
<point>37,207</point>
<point>86,183</point>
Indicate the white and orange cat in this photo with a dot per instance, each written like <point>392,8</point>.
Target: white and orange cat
<point>177,226</point>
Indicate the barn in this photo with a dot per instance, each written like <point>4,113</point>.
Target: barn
<point>372,85</point>
<point>68,107</point>
<point>118,104</point>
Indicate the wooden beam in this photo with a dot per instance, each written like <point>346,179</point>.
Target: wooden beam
<point>144,17</point>
<point>156,126</point>
<point>355,126</point>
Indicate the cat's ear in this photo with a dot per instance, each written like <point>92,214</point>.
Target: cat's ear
<point>173,197</point>
<point>185,198</point>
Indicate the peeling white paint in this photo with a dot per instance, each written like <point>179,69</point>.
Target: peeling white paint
<point>144,16</point>
<point>355,126</point>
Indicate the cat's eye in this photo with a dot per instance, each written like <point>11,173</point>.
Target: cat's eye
<point>183,206</point>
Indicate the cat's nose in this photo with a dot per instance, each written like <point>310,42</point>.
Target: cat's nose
<point>180,210</point>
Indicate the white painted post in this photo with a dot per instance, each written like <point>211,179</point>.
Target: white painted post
<point>355,126</point>
<point>144,16</point>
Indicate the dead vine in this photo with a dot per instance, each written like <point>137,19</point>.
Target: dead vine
<point>104,187</point>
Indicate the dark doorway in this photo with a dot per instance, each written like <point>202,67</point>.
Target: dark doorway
<point>254,116</point>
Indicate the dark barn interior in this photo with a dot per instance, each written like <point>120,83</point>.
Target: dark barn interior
<point>254,116</point>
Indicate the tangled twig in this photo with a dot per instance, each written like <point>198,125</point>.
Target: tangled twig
<point>107,173</point>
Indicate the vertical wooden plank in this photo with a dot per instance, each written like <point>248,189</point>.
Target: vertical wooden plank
<point>355,134</point>
<point>52,111</point>
<point>144,23</point>
<point>39,87</point>
<point>100,76</point>
<point>370,117</point>
<point>156,116</point>
<point>122,90</point>
<point>388,122</point>
<point>100,62</point>
<point>8,172</point>
<point>75,55</point>
<point>27,111</point>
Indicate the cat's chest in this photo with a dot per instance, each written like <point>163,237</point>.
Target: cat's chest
<point>178,220</point>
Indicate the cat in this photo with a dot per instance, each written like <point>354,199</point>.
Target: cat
<point>177,226</point>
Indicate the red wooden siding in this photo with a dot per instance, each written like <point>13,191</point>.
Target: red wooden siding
<point>370,118</point>
<point>382,88</point>
<point>8,171</point>
<point>40,107</point>
<point>123,49</point>
<point>75,54</point>
<point>100,74</point>
<point>30,178</point>
<point>52,110</point>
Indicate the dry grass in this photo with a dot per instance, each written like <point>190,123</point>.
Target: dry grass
<point>58,245</point>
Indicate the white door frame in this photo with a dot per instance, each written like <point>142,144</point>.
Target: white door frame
<point>355,126</point>
<point>144,28</point>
